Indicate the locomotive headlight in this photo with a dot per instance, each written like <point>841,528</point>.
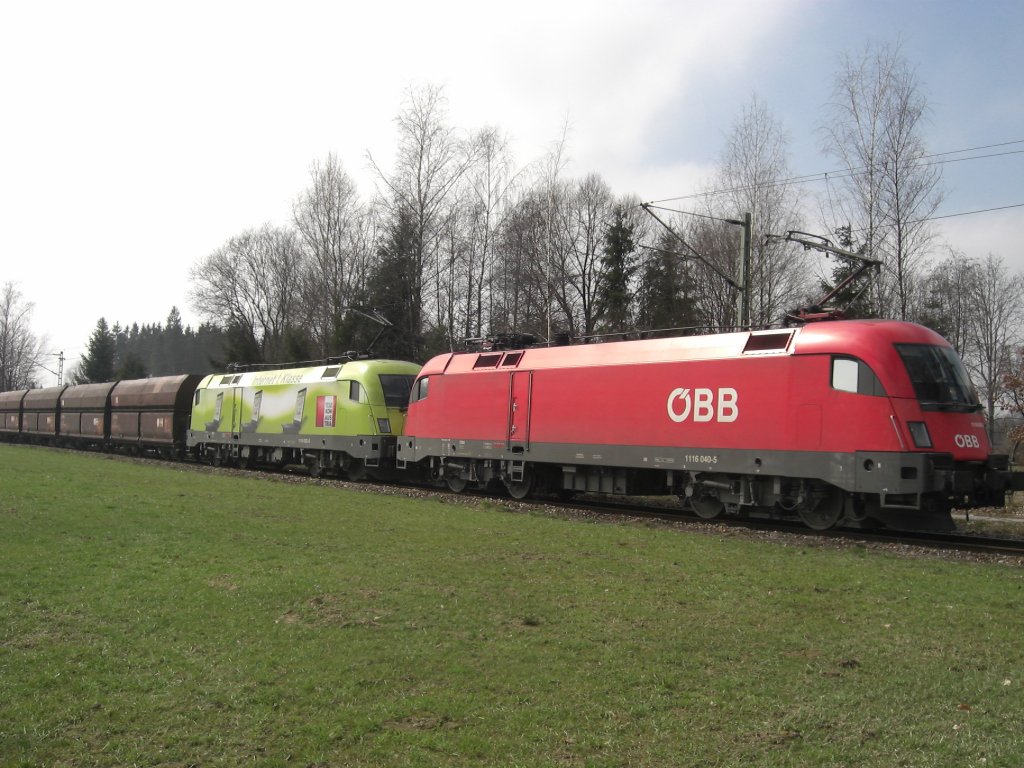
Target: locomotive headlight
<point>919,431</point>
<point>383,425</point>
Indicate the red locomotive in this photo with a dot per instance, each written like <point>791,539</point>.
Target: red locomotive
<point>849,421</point>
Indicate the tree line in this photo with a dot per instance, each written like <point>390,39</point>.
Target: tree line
<point>137,352</point>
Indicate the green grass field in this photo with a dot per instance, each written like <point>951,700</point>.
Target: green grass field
<point>159,616</point>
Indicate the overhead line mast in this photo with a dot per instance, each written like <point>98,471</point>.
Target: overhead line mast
<point>742,282</point>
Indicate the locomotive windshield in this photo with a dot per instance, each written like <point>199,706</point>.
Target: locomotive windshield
<point>939,378</point>
<point>396,389</point>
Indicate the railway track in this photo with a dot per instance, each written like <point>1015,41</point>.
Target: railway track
<point>964,542</point>
<point>955,540</point>
<point>596,508</point>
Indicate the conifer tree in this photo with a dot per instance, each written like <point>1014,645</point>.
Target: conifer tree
<point>619,262</point>
<point>97,364</point>
<point>131,367</point>
<point>665,293</point>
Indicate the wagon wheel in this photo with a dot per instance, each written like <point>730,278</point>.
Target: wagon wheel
<point>822,508</point>
<point>520,489</point>
<point>456,484</point>
<point>708,508</point>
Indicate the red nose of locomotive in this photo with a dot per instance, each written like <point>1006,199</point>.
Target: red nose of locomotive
<point>962,435</point>
<point>944,416</point>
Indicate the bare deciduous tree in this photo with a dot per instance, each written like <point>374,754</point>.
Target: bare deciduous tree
<point>553,253</point>
<point>756,172</point>
<point>717,244</point>
<point>753,177</point>
<point>888,191</point>
<point>337,236</point>
<point>1012,400</point>
<point>948,305</point>
<point>429,164</point>
<point>520,284</point>
<point>20,348</point>
<point>251,284</point>
<point>994,329</point>
<point>582,222</point>
<point>491,183</point>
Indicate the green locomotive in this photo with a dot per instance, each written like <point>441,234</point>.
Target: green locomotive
<point>343,417</point>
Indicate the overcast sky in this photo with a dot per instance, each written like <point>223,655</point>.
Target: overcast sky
<point>138,137</point>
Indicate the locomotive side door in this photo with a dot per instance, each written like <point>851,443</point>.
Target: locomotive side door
<point>519,386</point>
<point>236,411</point>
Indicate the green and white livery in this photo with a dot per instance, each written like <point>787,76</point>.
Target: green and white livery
<point>343,417</point>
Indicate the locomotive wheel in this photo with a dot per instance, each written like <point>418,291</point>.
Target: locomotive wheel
<point>316,469</point>
<point>707,509</point>
<point>456,484</point>
<point>356,471</point>
<point>520,489</point>
<point>823,510</point>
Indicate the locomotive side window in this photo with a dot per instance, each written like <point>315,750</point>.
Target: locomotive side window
<point>356,393</point>
<point>420,390</point>
<point>852,375</point>
<point>939,378</point>
<point>844,375</point>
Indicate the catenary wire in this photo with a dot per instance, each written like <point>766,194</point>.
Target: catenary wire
<point>842,173</point>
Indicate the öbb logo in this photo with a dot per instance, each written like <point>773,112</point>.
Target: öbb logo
<point>704,404</point>
<point>967,441</point>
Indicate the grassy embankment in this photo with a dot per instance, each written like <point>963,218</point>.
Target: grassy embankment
<point>156,616</point>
